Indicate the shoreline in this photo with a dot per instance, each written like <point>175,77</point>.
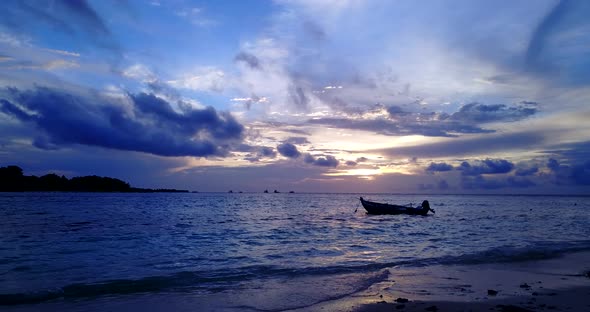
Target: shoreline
<point>557,284</point>
<point>569,299</point>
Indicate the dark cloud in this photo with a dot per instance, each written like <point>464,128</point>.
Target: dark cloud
<point>351,163</point>
<point>87,15</point>
<point>440,167</point>
<point>38,11</point>
<point>288,150</point>
<point>256,153</point>
<point>575,174</point>
<point>395,110</point>
<point>362,159</point>
<point>75,18</point>
<point>487,166</point>
<point>443,185</point>
<point>399,122</point>
<point>481,183</point>
<point>482,113</point>
<point>538,38</point>
<point>218,125</point>
<point>553,164</point>
<point>314,30</point>
<point>299,97</point>
<point>249,59</point>
<point>269,152</point>
<point>390,127</point>
<point>580,173</point>
<point>554,49</point>
<point>150,125</point>
<point>522,172</point>
<point>297,140</point>
<point>322,161</point>
<point>472,146</point>
<point>11,109</point>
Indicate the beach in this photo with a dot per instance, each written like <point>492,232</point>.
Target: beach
<point>560,284</point>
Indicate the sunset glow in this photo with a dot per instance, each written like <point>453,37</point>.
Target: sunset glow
<point>387,96</point>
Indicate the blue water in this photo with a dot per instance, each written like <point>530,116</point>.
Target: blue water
<point>66,245</point>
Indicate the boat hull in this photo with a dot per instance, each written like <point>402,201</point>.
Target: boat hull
<point>380,209</point>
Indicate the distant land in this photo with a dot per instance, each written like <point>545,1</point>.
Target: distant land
<point>12,179</point>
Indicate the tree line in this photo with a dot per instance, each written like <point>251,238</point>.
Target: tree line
<point>12,179</point>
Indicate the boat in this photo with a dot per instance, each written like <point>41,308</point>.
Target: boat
<point>380,208</point>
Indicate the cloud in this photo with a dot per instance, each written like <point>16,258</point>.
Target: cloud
<point>297,140</point>
<point>522,172</point>
<point>202,79</point>
<point>261,152</point>
<point>575,174</point>
<point>439,167</point>
<point>299,97</point>
<point>394,120</point>
<point>250,59</point>
<point>539,36</point>
<point>141,73</point>
<point>87,14</point>
<point>395,111</point>
<point>481,183</point>
<point>268,152</point>
<point>144,123</point>
<point>196,17</point>
<point>443,185</point>
<point>11,109</point>
<point>580,173</point>
<point>397,128</point>
<point>288,150</point>
<point>482,113</point>
<point>322,161</point>
<point>78,20</point>
<point>469,146</point>
<point>487,166</point>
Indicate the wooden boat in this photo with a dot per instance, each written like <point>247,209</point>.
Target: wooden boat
<point>380,208</point>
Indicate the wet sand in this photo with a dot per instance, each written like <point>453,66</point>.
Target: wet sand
<point>571,299</point>
<point>561,284</point>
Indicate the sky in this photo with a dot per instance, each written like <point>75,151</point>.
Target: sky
<point>356,96</point>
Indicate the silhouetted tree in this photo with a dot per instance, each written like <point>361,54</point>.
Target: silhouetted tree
<point>13,180</point>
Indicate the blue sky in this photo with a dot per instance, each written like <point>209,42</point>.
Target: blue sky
<point>322,96</point>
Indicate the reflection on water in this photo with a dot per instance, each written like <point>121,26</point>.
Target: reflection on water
<point>208,242</point>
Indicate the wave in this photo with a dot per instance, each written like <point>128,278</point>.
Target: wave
<point>218,280</point>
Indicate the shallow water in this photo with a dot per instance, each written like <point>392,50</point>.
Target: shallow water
<point>66,245</point>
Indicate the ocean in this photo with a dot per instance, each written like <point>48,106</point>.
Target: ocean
<point>259,252</point>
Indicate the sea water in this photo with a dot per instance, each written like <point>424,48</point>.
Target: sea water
<point>260,251</point>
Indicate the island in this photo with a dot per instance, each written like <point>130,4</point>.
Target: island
<point>12,179</point>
